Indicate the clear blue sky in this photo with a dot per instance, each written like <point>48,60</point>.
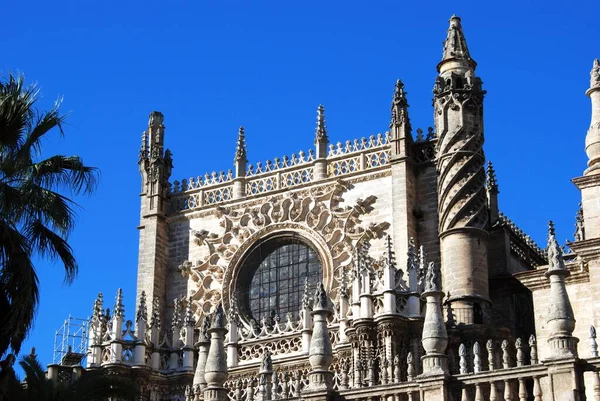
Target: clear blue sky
<point>212,66</point>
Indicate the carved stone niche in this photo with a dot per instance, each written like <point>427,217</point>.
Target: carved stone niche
<point>313,214</point>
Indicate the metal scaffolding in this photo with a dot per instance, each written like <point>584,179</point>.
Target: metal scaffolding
<point>71,341</point>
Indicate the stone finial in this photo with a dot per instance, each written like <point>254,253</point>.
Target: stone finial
<point>119,309</point>
<point>144,147</point>
<point>321,300</point>
<point>560,317</point>
<point>204,327</point>
<point>455,45</point>
<point>218,319</point>
<point>579,225</point>
<point>240,149</point>
<point>215,370</point>
<point>266,362</point>
<point>434,337</point>
<point>321,131</point>
<point>533,356</point>
<point>520,352</point>
<point>505,354</point>
<point>555,256</point>
<point>400,95</point>
<point>142,310</point>
<point>489,346</point>
<point>189,319</point>
<point>491,183</point>
<point>390,258</point>
<point>156,119</point>
<point>595,74</point>
<point>98,308</point>
<point>411,262</point>
<point>400,116</point>
<point>593,342</point>
<point>155,315</point>
<point>320,350</point>
<point>477,357</point>
<point>422,266</point>
<point>462,353</point>
<point>306,298</point>
<point>177,323</point>
<point>433,280</point>
<point>344,291</point>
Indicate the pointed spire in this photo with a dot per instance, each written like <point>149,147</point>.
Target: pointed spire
<point>390,258</point>
<point>189,320</point>
<point>411,262</point>
<point>177,322</point>
<point>400,109</point>
<point>98,308</point>
<point>455,45</point>
<point>119,309</point>
<point>155,316</point>
<point>142,310</point>
<point>555,256</point>
<point>491,183</point>
<point>144,148</point>
<point>321,132</point>
<point>400,95</point>
<point>240,149</point>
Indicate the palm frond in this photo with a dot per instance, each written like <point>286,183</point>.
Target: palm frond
<point>66,172</point>
<point>49,244</point>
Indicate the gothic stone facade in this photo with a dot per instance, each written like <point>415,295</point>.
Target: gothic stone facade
<point>412,284</point>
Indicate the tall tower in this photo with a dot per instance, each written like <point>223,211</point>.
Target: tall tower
<point>403,174</point>
<point>589,184</point>
<point>155,165</point>
<point>463,214</point>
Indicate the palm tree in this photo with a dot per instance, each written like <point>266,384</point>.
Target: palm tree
<point>92,385</point>
<point>35,217</point>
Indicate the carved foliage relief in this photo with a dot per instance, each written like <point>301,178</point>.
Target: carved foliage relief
<point>315,214</point>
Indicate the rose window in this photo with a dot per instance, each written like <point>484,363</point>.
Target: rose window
<point>273,276</point>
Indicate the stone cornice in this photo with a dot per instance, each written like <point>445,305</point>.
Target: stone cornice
<point>536,279</point>
<point>586,181</point>
<point>587,249</point>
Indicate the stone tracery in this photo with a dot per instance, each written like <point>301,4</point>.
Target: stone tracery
<point>315,213</point>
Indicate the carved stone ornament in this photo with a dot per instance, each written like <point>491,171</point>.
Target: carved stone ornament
<point>595,74</point>
<point>314,213</point>
<point>433,280</point>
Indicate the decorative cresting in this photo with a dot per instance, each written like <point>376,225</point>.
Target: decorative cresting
<point>314,213</point>
<point>592,139</point>
<point>435,338</point>
<point>321,352</point>
<point>463,212</point>
<point>560,319</point>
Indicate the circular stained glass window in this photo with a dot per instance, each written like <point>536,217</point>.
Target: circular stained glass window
<point>273,275</point>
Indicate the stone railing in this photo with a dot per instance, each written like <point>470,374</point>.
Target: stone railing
<point>357,156</point>
<point>352,157</point>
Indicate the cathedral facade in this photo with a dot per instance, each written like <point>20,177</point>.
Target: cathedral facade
<point>379,269</point>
